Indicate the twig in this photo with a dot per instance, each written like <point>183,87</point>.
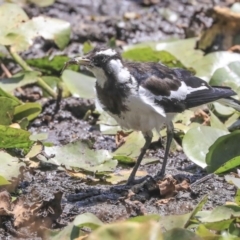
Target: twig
<point>6,71</point>
<point>201,180</point>
<point>59,98</point>
<point>26,67</point>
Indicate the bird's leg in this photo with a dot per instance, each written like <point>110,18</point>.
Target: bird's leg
<point>148,139</point>
<point>170,129</point>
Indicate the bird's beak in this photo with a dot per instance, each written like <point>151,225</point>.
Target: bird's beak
<point>76,61</point>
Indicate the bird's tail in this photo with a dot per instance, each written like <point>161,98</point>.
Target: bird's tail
<point>230,102</point>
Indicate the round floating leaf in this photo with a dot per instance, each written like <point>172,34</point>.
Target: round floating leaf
<point>27,110</point>
<point>6,110</point>
<point>223,111</point>
<point>184,50</point>
<point>19,32</point>
<point>87,220</point>
<point>79,155</point>
<point>197,141</point>
<point>10,169</point>
<point>206,66</point>
<point>179,233</point>
<point>79,85</point>
<point>222,150</point>
<point>226,75</point>
<point>19,80</point>
<point>130,150</point>
<point>128,230</point>
<point>122,176</point>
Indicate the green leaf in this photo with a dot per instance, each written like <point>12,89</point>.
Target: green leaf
<point>79,85</point>
<point>222,150</point>
<point>18,31</point>
<point>14,138</point>
<point>39,136</point>
<point>175,221</point>
<point>87,220</point>
<point>221,213</point>
<point>27,110</point>
<point>178,233</point>
<point>10,169</point>
<point>197,141</point>
<point>147,54</point>
<point>206,66</point>
<point>8,95</point>
<point>237,197</point>
<point>228,75</point>
<point>219,225</point>
<point>51,66</point>
<point>78,155</point>
<point>216,123</point>
<point>222,111</point>
<point>127,230</point>
<point>3,180</point>
<point>145,218</point>
<point>7,110</point>
<point>184,50</point>
<point>232,163</point>
<point>87,47</point>
<point>131,149</point>
<point>122,176</point>
<point>19,80</point>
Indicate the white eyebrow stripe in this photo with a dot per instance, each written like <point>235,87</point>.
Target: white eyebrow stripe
<point>108,52</point>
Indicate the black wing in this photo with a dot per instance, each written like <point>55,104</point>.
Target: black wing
<point>163,81</point>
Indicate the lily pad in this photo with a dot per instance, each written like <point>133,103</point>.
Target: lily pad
<point>184,50</point>
<point>79,155</point>
<point>223,111</point>
<point>226,75</point>
<point>19,80</point>
<point>206,67</point>
<point>178,233</point>
<point>128,230</point>
<point>27,110</point>
<point>131,149</point>
<point>10,169</point>
<point>19,32</point>
<point>122,176</point>
<point>197,141</point>
<point>232,163</point>
<point>79,85</point>
<point>222,150</point>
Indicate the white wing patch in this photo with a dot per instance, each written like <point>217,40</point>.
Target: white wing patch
<point>149,98</point>
<point>108,52</point>
<point>184,90</point>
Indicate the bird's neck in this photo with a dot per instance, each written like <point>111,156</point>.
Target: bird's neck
<point>114,73</point>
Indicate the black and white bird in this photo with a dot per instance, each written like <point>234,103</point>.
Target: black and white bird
<point>145,96</point>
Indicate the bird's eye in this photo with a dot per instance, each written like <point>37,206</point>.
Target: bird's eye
<point>98,60</point>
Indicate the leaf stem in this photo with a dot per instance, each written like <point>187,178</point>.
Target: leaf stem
<point>26,67</point>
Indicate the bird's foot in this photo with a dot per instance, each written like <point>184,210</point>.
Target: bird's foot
<point>160,175</point>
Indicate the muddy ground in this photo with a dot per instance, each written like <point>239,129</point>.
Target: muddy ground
<point>99,21</point>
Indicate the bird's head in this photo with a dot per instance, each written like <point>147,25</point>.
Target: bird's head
<point>104,63</point>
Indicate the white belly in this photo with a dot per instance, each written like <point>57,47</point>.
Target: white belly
<point>141,116</point>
